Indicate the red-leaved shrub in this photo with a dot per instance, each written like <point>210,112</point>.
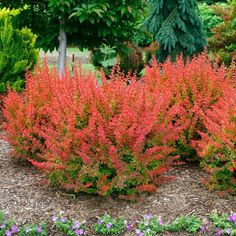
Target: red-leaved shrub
<point>1,110</point>
<point>217,146</point>
<point>25,113</point>
<point>120,137</point>
<point>105,139</point>
<point>195,85</point>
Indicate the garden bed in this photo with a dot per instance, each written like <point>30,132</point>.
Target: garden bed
<point>26,198</point>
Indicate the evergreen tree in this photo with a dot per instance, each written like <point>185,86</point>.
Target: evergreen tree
<point>177,27</point>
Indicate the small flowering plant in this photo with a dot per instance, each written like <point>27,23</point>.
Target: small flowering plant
<point>111,226</point>
<point>69,226</point>
<point>33,230</point>
<point>7,227</point>
<point>190,224</point>
<point>232,218</point>
<point>225,224</point>
<point>150,225</point>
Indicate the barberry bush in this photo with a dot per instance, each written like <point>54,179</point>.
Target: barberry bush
<point>107,139</point>
<point>217,145</point>
<point>120,136</point>
<point>26,113</point>
<point>195,86</point>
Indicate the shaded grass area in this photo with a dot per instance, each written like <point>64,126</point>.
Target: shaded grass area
<point>80,56</point>
<point>70,52</point>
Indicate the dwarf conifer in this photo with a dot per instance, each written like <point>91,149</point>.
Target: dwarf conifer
<point>177,27</point>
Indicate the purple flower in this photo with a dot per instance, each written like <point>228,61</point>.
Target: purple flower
<point>228,231</point>
<point>219,232</point>
<point>77,224</point>
<point>14,229</point>
<point>139,233</point>
<point>39,229</point>
<point>108,225</point>
<point>129,227</point>
<point>2,226</point>
<point>232,218</point>
<point>54,219</point>
<point>8,233</point>
<point>148,216</point>
<point>161,222</point>
<point>99,221</point>
<point>63,220</point>
<point>79,231</point>
<point>202,228</point>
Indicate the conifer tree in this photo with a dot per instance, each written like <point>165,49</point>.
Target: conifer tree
<point>176,26</point>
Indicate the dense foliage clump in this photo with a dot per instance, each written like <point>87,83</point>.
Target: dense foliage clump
<point>196,85</point>
<point>209,18</point>
<point>121,135</point>
<point>218,142</point>
<point>17,51</point>
<point>104,139</point>
<point>222,43</point>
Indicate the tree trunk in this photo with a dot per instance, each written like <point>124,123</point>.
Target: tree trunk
<point>62,47</point>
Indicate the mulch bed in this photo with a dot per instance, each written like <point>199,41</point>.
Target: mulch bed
<point>25,198</point>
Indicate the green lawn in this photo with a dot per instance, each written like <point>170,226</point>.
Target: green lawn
<point>70,52</point>
<point>52,57</point>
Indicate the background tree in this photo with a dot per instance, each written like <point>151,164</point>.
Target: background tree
<point>177,28</point>
<point>78,22</point>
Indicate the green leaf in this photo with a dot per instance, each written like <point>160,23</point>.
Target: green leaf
<point>109,62</point>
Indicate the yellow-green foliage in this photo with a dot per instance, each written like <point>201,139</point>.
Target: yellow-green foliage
<point>17,51</point>
<point>5,12</point>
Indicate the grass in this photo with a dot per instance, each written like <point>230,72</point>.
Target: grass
<point>70,51</point>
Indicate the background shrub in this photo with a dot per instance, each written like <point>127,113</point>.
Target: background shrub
<point>109,139</point>
<point>222,43</point>
<point>211,2</point>
<point>151,51</point>
<point>104,57</point>
<point>131,59</point>
<point>17,51</point>
<point>209,18</point>
<point>128,55</point>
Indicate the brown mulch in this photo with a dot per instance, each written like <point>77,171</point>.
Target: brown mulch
<point>25,199</point>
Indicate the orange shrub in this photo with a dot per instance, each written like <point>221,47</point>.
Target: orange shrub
<point>106,139</point>
<point>217,146</point>
<point>122,136</point>
<point>195,85</point>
